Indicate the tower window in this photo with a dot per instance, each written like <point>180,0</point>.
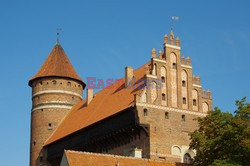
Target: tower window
<point>34,143</point>
<point>61,83</point>
<point>194,102</point>
<point>166,115</point>
<point>50,126</point>
<point>184,100</point>
<point>54,82</point>
<point>174,66</point>
<point>41,83</point>
<point>163,79</point>
<point>183,118</point>
<point>68,83</point>
<point>163,96</point>
<point>145,111</point>
<point>183,83</point>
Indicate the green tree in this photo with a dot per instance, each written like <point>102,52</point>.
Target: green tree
<point>223,138</point>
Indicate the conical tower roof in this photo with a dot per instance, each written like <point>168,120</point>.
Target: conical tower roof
<point>57,65</point>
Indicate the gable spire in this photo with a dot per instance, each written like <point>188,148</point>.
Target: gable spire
<point>58,35</point>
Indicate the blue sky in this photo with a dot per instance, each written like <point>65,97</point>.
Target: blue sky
<point>102,37</point>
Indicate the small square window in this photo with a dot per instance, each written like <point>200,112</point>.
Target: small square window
<point>54,82</point>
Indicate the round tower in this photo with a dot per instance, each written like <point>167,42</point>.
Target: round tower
<point>56,88</point>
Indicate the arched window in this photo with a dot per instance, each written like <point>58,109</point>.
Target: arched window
<point>166,115</point>
<point>183,118</point>
<point>194,102</point>
<point>187,159</point>
<point>183,83</point>
<point>205,107</point>
<point>163,96</point>
<point>163,79</point>
<point>68,83</point>
<point>184,100</point>
<point>145,111</point>
<point>174,66</point>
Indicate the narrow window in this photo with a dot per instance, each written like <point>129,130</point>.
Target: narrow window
<point>183,83</point>
<point>163,79</point>
<point>163,96</point>
<point>34,143</point>
<point>50,126</point>
<point>41,83</point>
<point>145,112</point>
<point>68,83</point>
<point>194,102</point>
<point>54,82</point>
<point>183,118</point>
<point>166,115</point>
<point>174,66</point>
<point>184,100</point>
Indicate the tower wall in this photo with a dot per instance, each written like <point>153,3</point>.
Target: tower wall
<point>52,99</point>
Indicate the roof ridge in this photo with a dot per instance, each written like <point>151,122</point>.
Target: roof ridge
<point>113,155</point>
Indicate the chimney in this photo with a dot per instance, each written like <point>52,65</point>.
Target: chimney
<point>129,73</point>
<point>89,95</point>
<point>136,153</point>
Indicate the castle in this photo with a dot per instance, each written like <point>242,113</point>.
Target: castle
<point>146,116</point>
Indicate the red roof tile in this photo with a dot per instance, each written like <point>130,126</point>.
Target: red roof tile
<point>105,103</point>
<point>57,64</point>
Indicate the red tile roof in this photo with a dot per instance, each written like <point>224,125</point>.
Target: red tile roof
<point>57,64</point>
<point>89,159</point>
<point>109,101</point>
